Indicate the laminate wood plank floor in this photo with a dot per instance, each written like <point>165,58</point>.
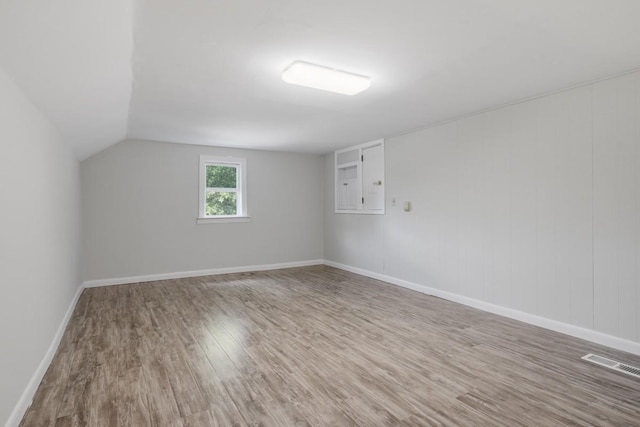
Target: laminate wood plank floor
<point>317,346</point>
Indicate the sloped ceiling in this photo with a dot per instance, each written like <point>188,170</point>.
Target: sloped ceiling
<point>72,58</point>
<point>209,71</point>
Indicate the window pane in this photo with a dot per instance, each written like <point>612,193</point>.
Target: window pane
<point>221,176</point>
<point>220,203</point>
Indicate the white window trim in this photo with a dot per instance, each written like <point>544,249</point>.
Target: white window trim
<point>241,164</point>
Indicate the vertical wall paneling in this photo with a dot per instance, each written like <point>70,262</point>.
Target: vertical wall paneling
<point>452,212</point>
<point>436,205</point>
<point>548,189</point>
<point>523,226</point>
<point>471,236</point>
<point>627,206</point>
<point>616,206</point>
<point>605,194</point>
<point>497,249</point>
<point>428,253</point>
<point>534,207</point>
<point>637,157</point>
<point>578,291</point>
<point>399,225</point>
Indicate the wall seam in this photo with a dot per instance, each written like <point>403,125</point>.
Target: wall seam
<point>593,239</point>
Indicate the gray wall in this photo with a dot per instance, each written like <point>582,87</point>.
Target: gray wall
<point>140,204</point>
<point>39,243</point>
<point>532,207</point>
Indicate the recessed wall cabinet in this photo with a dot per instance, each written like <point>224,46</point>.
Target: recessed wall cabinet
<point>360,178</point>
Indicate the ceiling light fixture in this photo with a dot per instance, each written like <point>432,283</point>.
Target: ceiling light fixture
<point>325,78</point>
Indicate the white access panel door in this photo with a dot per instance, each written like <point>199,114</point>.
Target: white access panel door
<point>347,188</point>
<point>373,177</point>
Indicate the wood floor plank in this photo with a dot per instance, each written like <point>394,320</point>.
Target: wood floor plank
<point>316,346</point>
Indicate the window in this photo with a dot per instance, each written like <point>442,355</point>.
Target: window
<point>223,195</point>
<point>359,179</point>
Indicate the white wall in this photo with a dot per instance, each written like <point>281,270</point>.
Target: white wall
<point>39,243</point>
<point>533,207</point>
<point>140,204</point>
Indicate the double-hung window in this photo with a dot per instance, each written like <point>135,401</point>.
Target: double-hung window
<point>223,195</point>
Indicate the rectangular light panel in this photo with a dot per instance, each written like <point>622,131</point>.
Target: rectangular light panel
<point>325,78</point>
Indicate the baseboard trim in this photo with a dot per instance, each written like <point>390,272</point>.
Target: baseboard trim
<point>27,395</point>
<point>199,273</point>
<point>554,325</point>
<point>587,334</point>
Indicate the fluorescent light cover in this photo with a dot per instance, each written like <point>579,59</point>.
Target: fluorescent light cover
<point>325,78</point>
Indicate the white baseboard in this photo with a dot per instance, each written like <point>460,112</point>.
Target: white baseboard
<point>587,334</point>
<point>543,322</point>
<point>27,395</point>
<point>198,273</point>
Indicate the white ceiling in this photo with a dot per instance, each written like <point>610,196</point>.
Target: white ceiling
<point>72,58</point>
<point>209,71</point>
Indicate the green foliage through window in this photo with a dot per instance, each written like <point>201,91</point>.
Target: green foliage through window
<point>221,203</point>
<point>221,176</point>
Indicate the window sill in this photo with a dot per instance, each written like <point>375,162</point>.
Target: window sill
<point>212,220</point>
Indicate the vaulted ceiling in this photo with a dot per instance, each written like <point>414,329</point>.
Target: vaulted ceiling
<point>209,71</point>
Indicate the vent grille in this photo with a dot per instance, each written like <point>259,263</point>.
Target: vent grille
<point>613,364</point>
<point>630,369</point>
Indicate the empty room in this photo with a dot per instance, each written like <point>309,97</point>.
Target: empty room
<point>319,213</point>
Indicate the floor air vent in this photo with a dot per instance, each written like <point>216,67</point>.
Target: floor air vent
<point>612,364</point>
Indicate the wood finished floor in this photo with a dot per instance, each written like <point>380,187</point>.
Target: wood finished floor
<point>321,347</point>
